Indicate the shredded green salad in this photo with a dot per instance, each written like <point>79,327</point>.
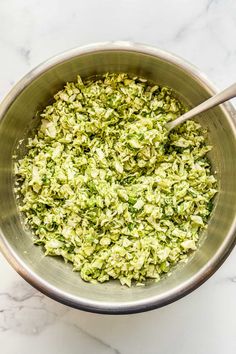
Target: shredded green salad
<point>104,186</point>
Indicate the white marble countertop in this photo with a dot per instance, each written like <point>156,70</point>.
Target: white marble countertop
<point>203,32</point>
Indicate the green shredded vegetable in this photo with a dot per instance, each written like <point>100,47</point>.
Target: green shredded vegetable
<point>104,186</point>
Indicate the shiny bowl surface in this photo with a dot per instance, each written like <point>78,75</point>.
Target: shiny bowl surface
<point>51,275</point>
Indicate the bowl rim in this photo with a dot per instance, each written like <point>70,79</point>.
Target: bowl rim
<point>130,306</point>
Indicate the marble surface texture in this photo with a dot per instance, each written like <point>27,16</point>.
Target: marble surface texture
<point>203,32</point>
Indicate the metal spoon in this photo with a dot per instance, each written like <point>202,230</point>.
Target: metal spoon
<point>221,97</point>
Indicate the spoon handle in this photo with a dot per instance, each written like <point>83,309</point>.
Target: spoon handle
<point>221,97</point>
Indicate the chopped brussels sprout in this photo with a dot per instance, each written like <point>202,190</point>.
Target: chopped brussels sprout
<point>104,186</point>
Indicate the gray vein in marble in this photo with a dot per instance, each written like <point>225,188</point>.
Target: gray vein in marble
<point>25,310</point>
<point>28,312</point>
<point>210,3</point>
<point>17,297</point>
<point>192,20</point>
<point>25,53</point>
<point>187,25</point>
<point>233,279</point>
<point>93,337</point>
<point>219,41</point>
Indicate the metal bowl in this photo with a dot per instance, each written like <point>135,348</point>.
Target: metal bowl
<point>49,274</point>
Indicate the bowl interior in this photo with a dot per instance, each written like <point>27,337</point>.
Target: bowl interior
<point>50,274</point>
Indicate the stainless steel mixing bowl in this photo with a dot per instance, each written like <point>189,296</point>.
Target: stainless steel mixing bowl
<point>50,275</point>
